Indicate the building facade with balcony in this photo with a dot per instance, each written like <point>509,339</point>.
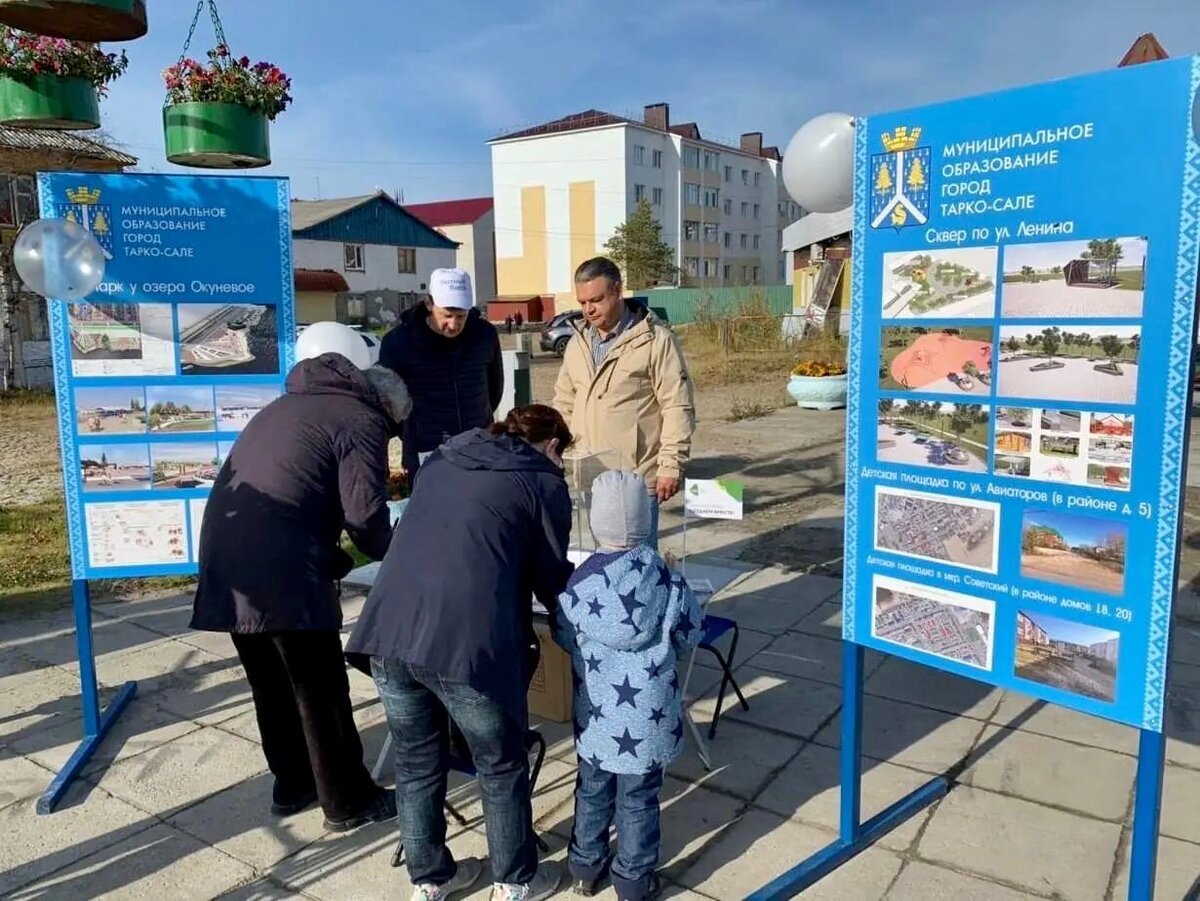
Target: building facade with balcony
<point>562,188</point>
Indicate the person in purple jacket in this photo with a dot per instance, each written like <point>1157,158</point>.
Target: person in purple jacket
<point>625,619</point>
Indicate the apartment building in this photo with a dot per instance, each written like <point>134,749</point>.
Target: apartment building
<point>561,189</point>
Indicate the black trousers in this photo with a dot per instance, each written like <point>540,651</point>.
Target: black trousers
<point>302,700</point>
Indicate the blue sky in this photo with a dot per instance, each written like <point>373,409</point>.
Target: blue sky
<point>404,96</point>
<point>1071,632</point>
<point>1076,530</point>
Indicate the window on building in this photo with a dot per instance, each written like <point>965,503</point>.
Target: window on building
<point>639,192</point>
<point>656,159</point>
<point>25,191</point>
<point>712,197</point>
<point>755,242</point>
<point>729,173</point>
<point>745,176</point>
<point>728,274</point>
<point>639,155</point>
<point>692,265</point>
<point>745,273</point>
<point>745,210</point>
<point>728,239</point>
<point>711,233</point>
<point>757,211</point>
<point>691,157</point>
<point>728,207</point>
<point>691,230</point>
<point>406,260</point>
<point>691,193</point>
<point>657,193</point>
<point>757,179</point>
<point>782,271</point>
<point>710,268</point>
<point>755,276</point>
<point>711,161</point>
<point>745,242</point>
<point>352,258</point>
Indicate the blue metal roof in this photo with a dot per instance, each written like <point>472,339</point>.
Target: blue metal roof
<point>374,219</point>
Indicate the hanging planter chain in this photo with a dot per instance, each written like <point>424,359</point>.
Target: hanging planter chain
<point>218,28</point>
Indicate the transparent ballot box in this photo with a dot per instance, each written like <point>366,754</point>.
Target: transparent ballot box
<point>580,468</point>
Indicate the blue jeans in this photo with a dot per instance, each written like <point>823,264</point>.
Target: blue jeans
<point>417,702</point>
<point>632,801</point>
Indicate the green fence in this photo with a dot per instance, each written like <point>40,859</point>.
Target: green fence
<point>680,303</point>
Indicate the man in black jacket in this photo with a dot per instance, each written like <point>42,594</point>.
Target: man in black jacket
<point>310,464</point>
<point>449,356</point>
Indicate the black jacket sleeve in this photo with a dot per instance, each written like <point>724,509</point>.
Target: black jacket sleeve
<point>495,374</point>
<point>552,536</point>
<point>391,351</point>
<point>362,482</point>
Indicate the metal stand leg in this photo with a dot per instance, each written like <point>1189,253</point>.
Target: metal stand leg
<point>855,836</point>
<point>1147,802</point>
<point>96,723</point>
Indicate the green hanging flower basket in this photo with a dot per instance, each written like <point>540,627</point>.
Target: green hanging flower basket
<point>77,20</point>
<point>49,101</point>
<point>216,136</point>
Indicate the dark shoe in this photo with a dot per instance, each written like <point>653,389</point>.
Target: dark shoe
<point>381,810</point>
<point>287,808</point>
<point>652,892</point>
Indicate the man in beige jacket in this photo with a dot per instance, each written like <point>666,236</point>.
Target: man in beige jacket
<point>624,385</point>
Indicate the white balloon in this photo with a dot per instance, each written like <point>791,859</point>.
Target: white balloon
<point>333,338</point>
<point>59,259</point>
<point>818,165</point>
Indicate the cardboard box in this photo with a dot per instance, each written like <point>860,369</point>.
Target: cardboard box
<point>550,689</point>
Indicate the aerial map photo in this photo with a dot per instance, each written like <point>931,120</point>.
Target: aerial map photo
<point>952,626</point>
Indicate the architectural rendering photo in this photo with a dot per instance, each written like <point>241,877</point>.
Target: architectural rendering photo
<point>929,433</point>
<point>238,404</point>
<point>110,411</point>
<point>943,361</point>
<point>187,465</point>
<point>1084,551</point>
<point>228,339</point>
<point>950,284</point>
<point>176,408</point>
<point>114,467</point>
<point>1103,277</point>
<point>1067,655</point>
<point>1097,364</point>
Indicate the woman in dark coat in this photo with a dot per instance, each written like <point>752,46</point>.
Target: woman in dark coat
<point>449,629</point>
<point>307,466</point>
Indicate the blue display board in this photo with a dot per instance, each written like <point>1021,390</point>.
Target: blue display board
<point>1023,321</point>
<point>158,370</point>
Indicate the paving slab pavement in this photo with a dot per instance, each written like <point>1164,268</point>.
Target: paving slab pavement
<point>176,801</point>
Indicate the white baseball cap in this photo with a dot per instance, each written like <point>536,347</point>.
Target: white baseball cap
<point>450,289</point>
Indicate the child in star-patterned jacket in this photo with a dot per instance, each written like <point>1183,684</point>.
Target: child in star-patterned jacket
<point>625,619</point>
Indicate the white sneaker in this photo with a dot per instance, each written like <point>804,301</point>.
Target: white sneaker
<point>544,884</point>
<point>468,873</point>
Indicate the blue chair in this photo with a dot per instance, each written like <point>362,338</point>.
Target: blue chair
<point>712,630</point>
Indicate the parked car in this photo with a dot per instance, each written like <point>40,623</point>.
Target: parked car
<point>370,339</point>
<point>556,334</point>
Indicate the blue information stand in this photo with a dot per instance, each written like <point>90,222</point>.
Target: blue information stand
<point>156,372</point>
<point>1020,372</point>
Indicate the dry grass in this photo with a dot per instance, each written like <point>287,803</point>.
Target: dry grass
<point>739,347</point>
